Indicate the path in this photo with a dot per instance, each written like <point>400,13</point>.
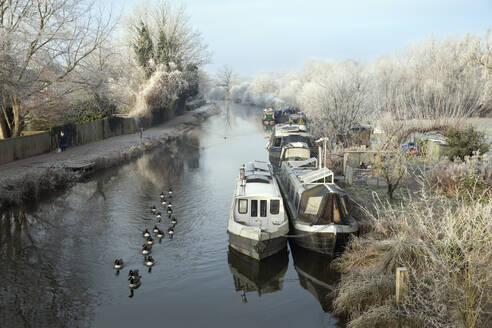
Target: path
<point>110,148</point>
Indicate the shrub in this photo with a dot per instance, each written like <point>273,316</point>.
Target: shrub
<point>464,142</point>
<point>469,179</point>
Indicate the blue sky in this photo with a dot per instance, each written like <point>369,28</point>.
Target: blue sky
<point>254,36</point>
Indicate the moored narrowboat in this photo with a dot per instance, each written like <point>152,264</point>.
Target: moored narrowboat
<point>257,223</point>
<point>318,209</point>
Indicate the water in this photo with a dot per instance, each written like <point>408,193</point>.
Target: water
<point>57,257</point>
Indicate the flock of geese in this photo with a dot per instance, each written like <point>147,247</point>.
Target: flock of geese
<point>134,277</point>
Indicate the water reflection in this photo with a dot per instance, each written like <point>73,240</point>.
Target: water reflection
<point>164,166</point>
<point>35,290</point>
<point>315,274</point>
<point>264,276</point>
<point>57,258</point>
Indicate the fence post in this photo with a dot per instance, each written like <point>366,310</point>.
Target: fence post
<point>401,285</point>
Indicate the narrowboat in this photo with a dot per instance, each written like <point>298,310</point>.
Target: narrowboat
<point>318,209</point>
<point>268,116</point>
<point>258,223</point>
<point>284,135</point>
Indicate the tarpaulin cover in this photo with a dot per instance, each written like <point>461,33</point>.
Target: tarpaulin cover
<point>319,205</point>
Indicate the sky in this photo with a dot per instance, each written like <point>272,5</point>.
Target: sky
<point>253,36</point>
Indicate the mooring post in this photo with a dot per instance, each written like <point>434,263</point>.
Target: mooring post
<point>401,285</point>
<point>401,291</point>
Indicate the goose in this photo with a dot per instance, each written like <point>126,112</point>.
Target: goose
<point>150,240</point>
<point>118,264</point>
<point>146,233</point>
<point>132,273</point>
<point>159,234</point>
<point>163,203</point>
<point>169,204</point>
<point>169,210</point>
<point>170,231</point>
<point>149,261</point>
<point>174,220</point>
<point>154,209</point>
<point>155,230</point>
<point>146,249</point>
<point>162,195</point>
<point>170,191</point>
<point>158,215</point>
<point>134,279</point>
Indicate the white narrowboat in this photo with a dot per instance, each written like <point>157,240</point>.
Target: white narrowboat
<point>318,209</point>
<point>258,224</point>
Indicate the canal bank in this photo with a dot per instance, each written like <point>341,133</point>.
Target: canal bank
<point>29,179</point>
<point>66,245</point>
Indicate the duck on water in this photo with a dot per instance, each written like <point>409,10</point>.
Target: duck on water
<point>257,221</point>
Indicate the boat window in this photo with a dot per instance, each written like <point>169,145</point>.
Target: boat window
<point>277,142</point>
<point>263,208</point>
<point>337,216</point>
<point>274,206</point>
<point>243,206</point>
<point>328,213</point>
<point>312,205</point>
<point>254,207</point>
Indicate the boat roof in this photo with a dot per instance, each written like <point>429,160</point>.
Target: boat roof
<point>259,181</point>
<point>288,129</point>
<point>307,172</point>
<point>296,144</point>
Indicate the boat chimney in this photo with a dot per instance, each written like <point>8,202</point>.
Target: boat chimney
<point>320,150</point>
<point>242,172</point>
<point>242,176</point>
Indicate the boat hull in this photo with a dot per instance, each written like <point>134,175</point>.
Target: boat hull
<point>323,243</point>
<point>257,249</point>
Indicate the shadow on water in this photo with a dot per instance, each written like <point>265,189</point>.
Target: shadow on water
<point>263,277</point>
<point>315,274</point>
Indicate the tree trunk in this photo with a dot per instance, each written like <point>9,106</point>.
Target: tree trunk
<point>4,130</point>
<point>391,189</point>
<point>18,125</point>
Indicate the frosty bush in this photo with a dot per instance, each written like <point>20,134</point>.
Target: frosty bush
<point>444,242</point>
<point>465,141</point>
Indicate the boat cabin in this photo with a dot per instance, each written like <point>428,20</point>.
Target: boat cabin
<point>285,135</point>
<point>312,193</point>
<point>258,201</point>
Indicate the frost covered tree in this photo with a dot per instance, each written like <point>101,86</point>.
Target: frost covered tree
<point>169,51</point>
<point>144,48</point>
<point>165,36</point>
<point>42,44</point>
<point>336,101</point>
<point>164,87</point>
<point>225,79</point>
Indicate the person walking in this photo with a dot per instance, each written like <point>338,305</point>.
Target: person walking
<point>63,140</point>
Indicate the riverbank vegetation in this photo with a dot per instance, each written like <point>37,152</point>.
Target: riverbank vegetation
<point>71,61</point>
<point>434,217</point>
<point>443,237</point>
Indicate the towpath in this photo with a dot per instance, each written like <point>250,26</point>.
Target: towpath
<point>111,149</point>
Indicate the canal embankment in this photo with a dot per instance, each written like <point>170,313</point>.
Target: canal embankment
<point>31,178</point>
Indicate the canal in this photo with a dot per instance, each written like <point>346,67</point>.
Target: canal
<point>56,257</point>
